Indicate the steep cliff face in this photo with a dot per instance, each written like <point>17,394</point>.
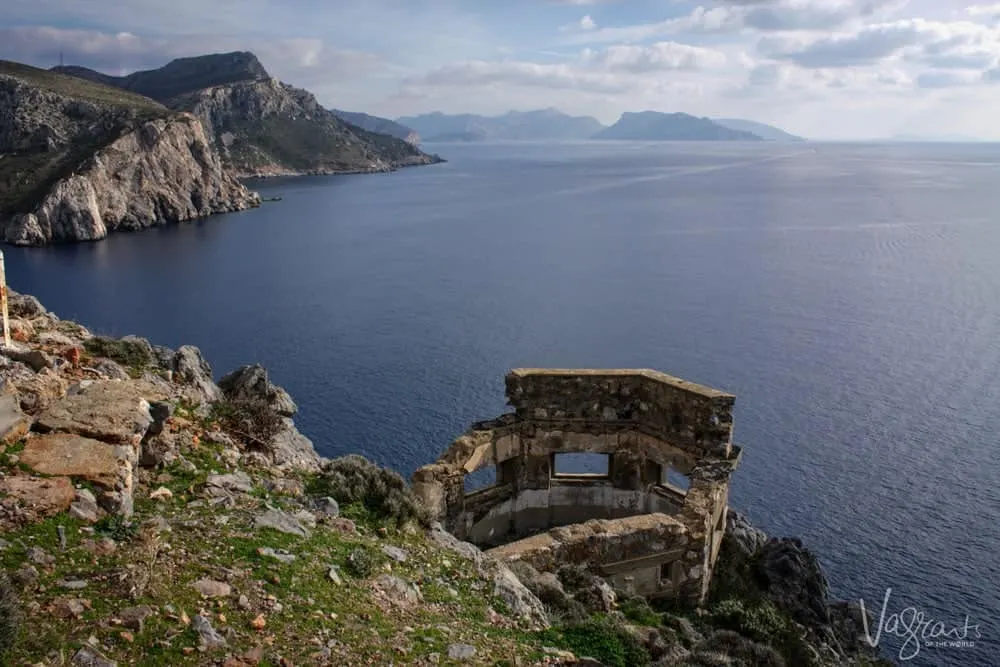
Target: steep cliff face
<point>161,171</point>
<point>261,126</point>
<point>79,160</point>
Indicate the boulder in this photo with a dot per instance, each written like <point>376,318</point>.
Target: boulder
<point>280,521</point>
<point>115,412</point>
<point>36,391</point>
<point>13,424</point>
<point>109,466</point>
<point>190,368</point>
<point>39,498</point>
<point>34,359</point>
<point>250,382</point>
<point>743,534</point>
<point>23,305</point>
<point>290,450</point>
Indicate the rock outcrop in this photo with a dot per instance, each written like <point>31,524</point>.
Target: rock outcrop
<point>81,160</point>
<point>261,126</point>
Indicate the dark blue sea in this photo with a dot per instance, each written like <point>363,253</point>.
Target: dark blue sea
<point>849,295</point>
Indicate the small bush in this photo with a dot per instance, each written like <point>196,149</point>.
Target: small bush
<point>117,528</point>
<point>355,479</point>
<point>745,651</point>
<point>638,611</point>
<point>249,418</point>
<point>602,639</point>
<point>761,621</point>
<point>361,563</point>
<point>10,615</point>
<point>132,353</point>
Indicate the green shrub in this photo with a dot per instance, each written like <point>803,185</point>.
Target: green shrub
<point>602,639</point>
<point>637,610</point>
<point>132,353</point>
<point>745,651</point>
<point>250,419</point>
<point>361,563</point>
<point>10,615</point>
<point>117,528</point>
<point>354,479</point>
<point>760,621</point>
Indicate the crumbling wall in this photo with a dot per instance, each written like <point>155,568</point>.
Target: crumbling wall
<point>655,538</point>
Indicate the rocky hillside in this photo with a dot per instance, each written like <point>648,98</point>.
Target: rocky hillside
<point>149,515</point>
<point>378,125</point>
<point>261,126</point>
<point>79,160</point>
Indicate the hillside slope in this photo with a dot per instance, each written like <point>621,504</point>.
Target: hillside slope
<point>261,126</point>
<point>378,125</point>
<point>79,159</point>
<point>194,525</point>
<point>762,130</point>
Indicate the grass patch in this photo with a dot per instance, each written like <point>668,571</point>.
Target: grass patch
<point>600,638</point>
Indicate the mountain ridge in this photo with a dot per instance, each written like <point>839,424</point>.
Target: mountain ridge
<point>81,159</point>
<point>260,125</point>
<point>658,126</point>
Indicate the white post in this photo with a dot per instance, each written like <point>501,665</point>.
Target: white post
<point>3,302</point>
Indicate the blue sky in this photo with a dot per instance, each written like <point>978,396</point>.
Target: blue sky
<point>821,68</point>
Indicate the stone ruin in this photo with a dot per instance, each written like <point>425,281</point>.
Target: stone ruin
<point>650,520</point>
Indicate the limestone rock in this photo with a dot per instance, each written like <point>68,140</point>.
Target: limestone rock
<point>88,656</point>
<point>395,553</point>
<point>85,507</point>
<point>109,466</point>
<point>291,450</point>
<point>110,370</point>
<point>134,618</point>
<point>209,637</point>
<point>213,589</point>
<point>521,601</point>
<point>145,173</point>
<point>13,424</point>
<point>280,521</point>
<point>34,359</point>
<point>39,498</point>
<point>115,412</point>
<point>36,391</point>
<point>223,485</point>
<point>23,305</point>
<point>461,652</point>
<point>742,534</point>
<point>397,591</point>
<point>250,382</point>
<point>190,368</point>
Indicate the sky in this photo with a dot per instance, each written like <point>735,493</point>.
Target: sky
<point>825,69</point>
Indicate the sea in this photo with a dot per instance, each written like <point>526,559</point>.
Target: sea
<point>848,294</point>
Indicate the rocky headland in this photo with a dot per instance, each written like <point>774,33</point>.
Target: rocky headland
<point>261,126</point>
<point>79,160</point>
<point>151,515</point>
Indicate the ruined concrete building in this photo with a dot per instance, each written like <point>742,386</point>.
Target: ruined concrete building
<point>650,518</point>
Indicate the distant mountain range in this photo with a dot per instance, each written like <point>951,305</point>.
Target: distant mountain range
<point>552,124</point>
<point>515,125</point>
